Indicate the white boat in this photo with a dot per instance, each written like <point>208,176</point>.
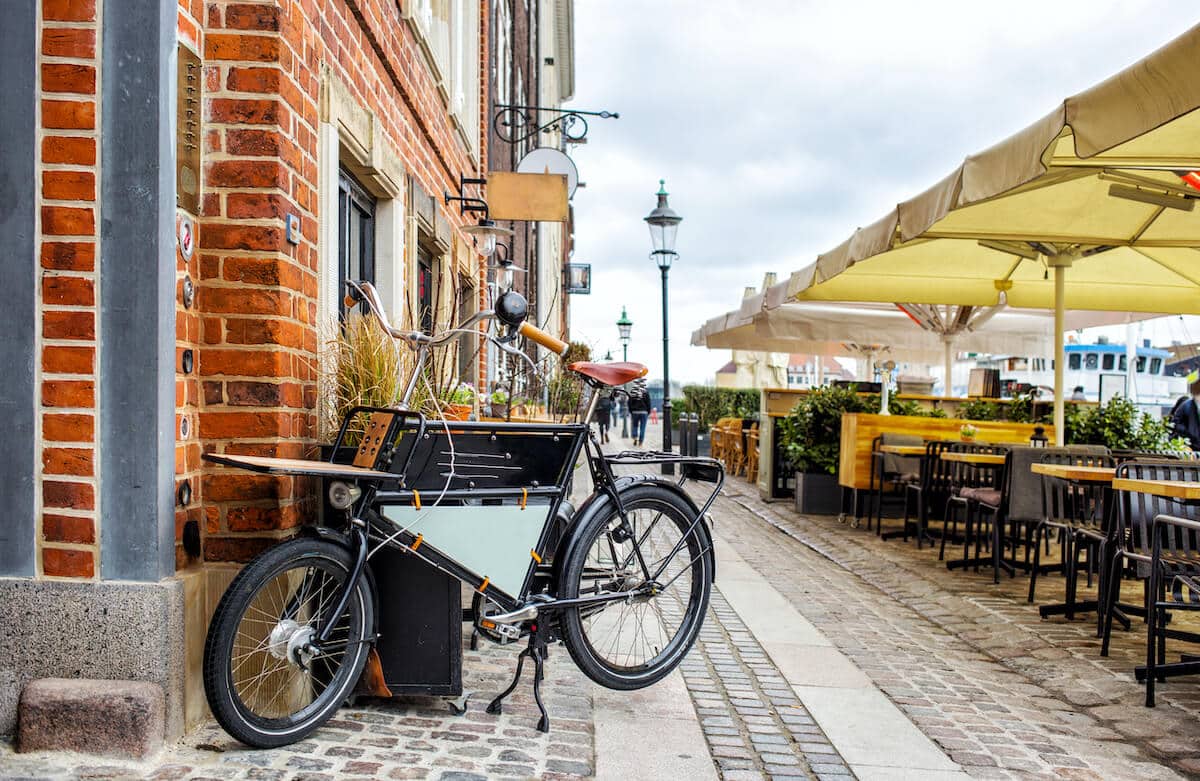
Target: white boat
<point>1102,370</point>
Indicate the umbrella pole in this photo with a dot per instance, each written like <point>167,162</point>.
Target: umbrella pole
<point>1060,264</point>
<point>949,367</point>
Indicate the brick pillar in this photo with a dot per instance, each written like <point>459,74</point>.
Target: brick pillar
<point>67,172</point>
<point>257,291</point>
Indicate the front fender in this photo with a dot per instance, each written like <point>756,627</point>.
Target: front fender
<point>335,536</point>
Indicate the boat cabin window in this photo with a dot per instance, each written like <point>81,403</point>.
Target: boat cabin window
<point>1074,361</point>
<point>1141,364</point>
<point>1109,361</point>
<point>1156,365</point>
<point>1091,362</point>
<point>1122,364</point>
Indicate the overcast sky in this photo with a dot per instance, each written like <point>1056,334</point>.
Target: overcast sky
<point>782,125</point>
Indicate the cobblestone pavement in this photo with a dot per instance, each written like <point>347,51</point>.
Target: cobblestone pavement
<point>754,725</point>
<point>1002,691</point>
<point>414,738</point>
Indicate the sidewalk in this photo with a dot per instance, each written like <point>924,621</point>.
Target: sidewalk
<point>826,653</point>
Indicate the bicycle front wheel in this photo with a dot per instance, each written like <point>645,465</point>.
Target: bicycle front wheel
<point>264,683</point>
<point>630,644</point>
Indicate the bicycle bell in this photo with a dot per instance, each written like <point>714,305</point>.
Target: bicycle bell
<point>511,308</point>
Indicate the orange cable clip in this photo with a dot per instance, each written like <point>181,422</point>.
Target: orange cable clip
<point>524,497</point>
<point>535,556</point>
<point>417,542</point>
<point>417,499</point>
<point>483,586</point>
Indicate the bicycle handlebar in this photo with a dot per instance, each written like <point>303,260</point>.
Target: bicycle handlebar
<point>535,334</point>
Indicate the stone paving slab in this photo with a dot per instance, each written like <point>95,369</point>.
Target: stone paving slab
<point>971,664</point>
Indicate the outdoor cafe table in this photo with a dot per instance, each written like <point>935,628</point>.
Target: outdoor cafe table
<point>902,450</point>
<point>1173,489</point>
<point>1076,474</point>
<point>978,459</point>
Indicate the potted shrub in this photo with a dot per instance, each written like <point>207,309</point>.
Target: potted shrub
<point>459,402</point>
<point>967,432</point>
<point>810,438</point>
<point>498,402</point>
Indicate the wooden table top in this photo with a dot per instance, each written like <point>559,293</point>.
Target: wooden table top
<point>903,450</point>
<point>1077,472</point>
<point>298,466</point>
<point>1175,489</point>
<point>979,459</point>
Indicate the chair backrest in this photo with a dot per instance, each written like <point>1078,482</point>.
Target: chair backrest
<point>1137,510</point>
<point>1067,502</point>
<point>966,475</point>
<point>1024,488</point>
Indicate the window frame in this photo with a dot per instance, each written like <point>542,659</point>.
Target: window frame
<point>354,200</point>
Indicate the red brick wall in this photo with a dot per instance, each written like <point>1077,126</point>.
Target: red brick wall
<point>67,166</point>
<point>257,293</point>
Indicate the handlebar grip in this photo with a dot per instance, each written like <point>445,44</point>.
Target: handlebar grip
<point>535,334</point>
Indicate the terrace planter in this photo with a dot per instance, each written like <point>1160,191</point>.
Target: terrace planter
<point>818,494</point>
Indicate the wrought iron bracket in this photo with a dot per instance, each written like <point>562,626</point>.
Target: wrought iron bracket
<point>466,203</point>
<point>514,124</point>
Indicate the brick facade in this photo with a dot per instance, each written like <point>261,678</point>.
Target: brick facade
<point>68,528</point>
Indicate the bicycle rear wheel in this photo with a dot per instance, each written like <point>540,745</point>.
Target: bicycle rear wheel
<point>262,685</point>
<point>635,643</point>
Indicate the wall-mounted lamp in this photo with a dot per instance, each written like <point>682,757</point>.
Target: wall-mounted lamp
<point>486,232</point>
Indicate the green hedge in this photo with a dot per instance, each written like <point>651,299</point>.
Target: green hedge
<point>712,404</point>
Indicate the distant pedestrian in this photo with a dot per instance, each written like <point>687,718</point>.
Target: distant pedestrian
<point>603,414</point>
<point>1078,394</point>
<point>1185,418</point>
<point>639,409</point>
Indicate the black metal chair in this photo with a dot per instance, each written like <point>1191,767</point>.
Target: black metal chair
<point>896,471</point>
<point>1174,562</point>
<point>930,491</point>
<point>1131,547</point>
<point>1077,513</point>
<point>970,484</point>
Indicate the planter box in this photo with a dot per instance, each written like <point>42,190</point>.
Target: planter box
<point>818,494</point>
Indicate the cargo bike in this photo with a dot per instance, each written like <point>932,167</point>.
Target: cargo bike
<point>623,581</point>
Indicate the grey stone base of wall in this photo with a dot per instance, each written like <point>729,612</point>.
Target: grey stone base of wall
<point>108,629</point>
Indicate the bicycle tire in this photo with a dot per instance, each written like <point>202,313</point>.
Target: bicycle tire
<point>227,698</point>
<point>697,559</point>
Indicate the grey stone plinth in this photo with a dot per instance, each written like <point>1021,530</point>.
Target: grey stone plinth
<point>86,629</point>
<point>116,718</point>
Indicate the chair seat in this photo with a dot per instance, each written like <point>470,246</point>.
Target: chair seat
<point>988,496</point>
<point>617,373</point>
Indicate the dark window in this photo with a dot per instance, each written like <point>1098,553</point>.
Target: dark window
<point>1141,364</point>
<point>1122,364</point>
<point>468,345</point>
<point>425,288</point>
<point>1109,361</point>
<point>1091,362</point>
<point>1074,361</point>
<point>356,235</point>
<point>1155,365</point>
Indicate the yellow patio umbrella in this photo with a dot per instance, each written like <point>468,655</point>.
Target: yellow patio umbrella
<point>1092,207</point>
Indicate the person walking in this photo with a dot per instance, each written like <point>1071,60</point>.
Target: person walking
<point>639,409</point>
<point>603,414</point>
<point>1185,418</point>
<point>622,398</point>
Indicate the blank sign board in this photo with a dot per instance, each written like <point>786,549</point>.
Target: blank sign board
<point>532,197</point>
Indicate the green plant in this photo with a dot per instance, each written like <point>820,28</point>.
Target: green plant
<point>907,407</point>
<point>711,404</point>
<point>1118,425</point>
<point>810,435</point>
<point>498,396</point>
<point>463,393</point>
<point>976,409</point>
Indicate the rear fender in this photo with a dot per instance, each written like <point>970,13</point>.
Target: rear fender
<point>601,503</point>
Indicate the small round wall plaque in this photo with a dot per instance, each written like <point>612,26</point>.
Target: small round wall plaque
<point>189,292</point>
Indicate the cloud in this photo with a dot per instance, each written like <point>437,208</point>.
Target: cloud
<point>781,126</point>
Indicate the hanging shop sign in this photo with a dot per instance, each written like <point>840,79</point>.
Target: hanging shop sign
<point>533,197</point>
<point>579,278</point>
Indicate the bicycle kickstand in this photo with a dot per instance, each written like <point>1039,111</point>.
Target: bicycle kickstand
<point>536,650</point>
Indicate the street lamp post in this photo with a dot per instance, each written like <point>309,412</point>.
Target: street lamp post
<point>664,222</point>
<point>624,326</point>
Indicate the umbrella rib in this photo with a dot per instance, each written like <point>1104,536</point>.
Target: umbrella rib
<point>1146,225</point>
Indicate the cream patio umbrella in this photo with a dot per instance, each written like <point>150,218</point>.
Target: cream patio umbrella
<point>1092,207</point>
